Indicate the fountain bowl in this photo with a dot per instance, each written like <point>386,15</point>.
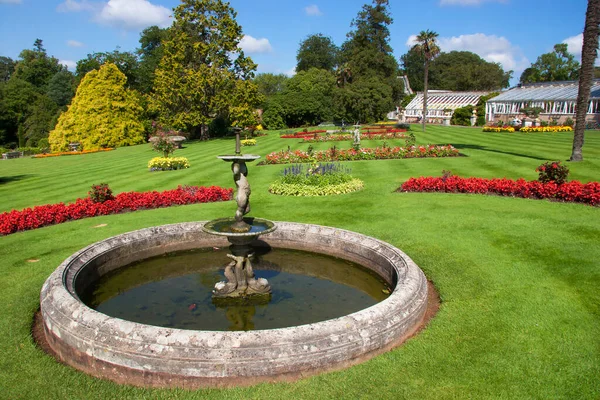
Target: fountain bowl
<point>144,355</point>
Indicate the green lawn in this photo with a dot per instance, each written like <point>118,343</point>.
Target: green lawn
<point>520,313</point>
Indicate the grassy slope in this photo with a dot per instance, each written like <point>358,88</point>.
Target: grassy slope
<point>518,278</point>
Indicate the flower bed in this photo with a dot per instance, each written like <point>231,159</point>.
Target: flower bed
<point>363,136</point>
<point>573,191</point>
<point>301,135</point>
<point>509,129</point>
<point>378,153</point>
<point>248,142</point>
<point>379,131</point>
<point>319,180</point>
<point>168,163</point>
<point>70,153</point>
<point>39,216</point>
<point>546,129</point>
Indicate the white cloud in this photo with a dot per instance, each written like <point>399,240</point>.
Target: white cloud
<point>313,11</point>
<point>574,45</point>
<point>134,14</point>
<point>74,43</point>
<point>468,2</point>
<point>69,64</point>
<point>252,45</point>
<point>10,1</point>
<point>489,47</point>
<point>124,14</point>
<point>290,72</point>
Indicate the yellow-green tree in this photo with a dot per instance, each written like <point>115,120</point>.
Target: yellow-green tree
<point>204,73</point>
<point>103,114</point>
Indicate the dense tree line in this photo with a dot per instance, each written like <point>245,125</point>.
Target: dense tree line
<point>184,76</point>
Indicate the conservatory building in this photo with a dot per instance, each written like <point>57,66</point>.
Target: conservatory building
<point>556,99</point>
<point>440,105</point>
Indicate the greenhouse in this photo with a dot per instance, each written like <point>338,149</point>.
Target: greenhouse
<point>440,104</point>
<point>556,100</point>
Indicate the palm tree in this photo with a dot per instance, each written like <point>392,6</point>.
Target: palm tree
<point>427,45</point>
<point>343,75</point>
<point>589,53</point>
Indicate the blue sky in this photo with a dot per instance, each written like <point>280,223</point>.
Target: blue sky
<point>511,32</point>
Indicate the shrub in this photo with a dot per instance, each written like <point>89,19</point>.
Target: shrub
<point>553,171</point>
<point>161,140</point>
<point>100,193</point>
<point>168,164</point>
<point>248,142</point>
<point>218,127</point>
<point>318,180</point>
<point>569,122</point>
<point>462,116</point>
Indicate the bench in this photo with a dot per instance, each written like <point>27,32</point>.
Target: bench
<point>11,154</point>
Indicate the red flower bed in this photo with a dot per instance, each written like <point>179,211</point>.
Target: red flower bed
<point>381,131</point>
<point>301,135</point>
<point>573,191</point>
<point>50,214</point>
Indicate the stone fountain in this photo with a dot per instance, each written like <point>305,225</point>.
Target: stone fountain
<point>145,354</point>
<point>240,232</point>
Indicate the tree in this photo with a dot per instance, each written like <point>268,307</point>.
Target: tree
<point>559,65</point>
<point>150,53</point>
<point>61,88</point>
<point>413,63</point>
<point>367,55</point>
<point>199,75</point>
<point>39,122</point>
<point>103,113</point>
<point>7,68</point>
<point>16,99</point>
<point>589,52</point>
<point>316,51</point>
<point>36,67</point>
<point>127,63</point>
<point>466,71</point>
<point>270,84</point>
<point>306,100</point>
<point>427,45</point>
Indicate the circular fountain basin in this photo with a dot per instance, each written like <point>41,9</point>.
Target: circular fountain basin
<point>134,353</point>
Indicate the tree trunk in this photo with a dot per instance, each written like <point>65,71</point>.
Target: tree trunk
<point>425,83</point>
<point>589,53</point>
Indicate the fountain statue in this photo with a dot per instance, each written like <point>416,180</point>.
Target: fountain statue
<point>356,137</point>
<point>240,232</point>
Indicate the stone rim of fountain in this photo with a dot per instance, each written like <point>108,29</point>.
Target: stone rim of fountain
<point>133,353</point>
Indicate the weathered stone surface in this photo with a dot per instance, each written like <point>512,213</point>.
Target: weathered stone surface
<point>130,352</point>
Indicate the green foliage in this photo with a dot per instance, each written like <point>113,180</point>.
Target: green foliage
<point>36,67</point>
<point>101,193</point>
<point>161,141</point>
<point>150,54</point>
<point>364,100</point>
<point>306,100</point>
<point>16,100</point>
<point>273,116</point>
<point>103,114</point>
<point>203,71</point>
<point>219,127</point>
<point>532,112</point>
<point>367,63</point>
<point>465,71</point>
<point>407,99</point>
<point>462,116</point>
<point>316,51</point>
<point>61,88</point>
<point>39,123</point>
<point>7,68</point>
<point>127,63</point>
<point>413,63</point>
<point>270,84</point>
<point>553,171</point>
<point>559,65</point>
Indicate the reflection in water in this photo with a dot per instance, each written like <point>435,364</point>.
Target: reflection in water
<point>175,291</point>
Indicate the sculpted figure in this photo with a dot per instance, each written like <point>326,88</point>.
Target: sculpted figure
<point>240,171</point>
